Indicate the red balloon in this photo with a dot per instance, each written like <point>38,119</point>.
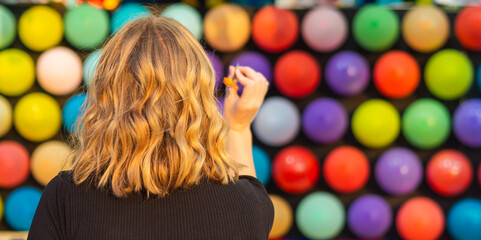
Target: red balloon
<point>295,170</point>
<point>297,74</point>
<point>396,74</point>
<point>467,27</point>
<point>449,172</point>
<point>346,169</point>
<point>420,218</point>
<point>275,29</point>
<point>14,164</point>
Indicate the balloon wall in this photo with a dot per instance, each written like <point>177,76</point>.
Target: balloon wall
<point>371,127</point>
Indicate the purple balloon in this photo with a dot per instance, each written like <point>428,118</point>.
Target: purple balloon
<point>467,123</point>
<point>398,171</point>
<point>369,216</point>
<point>324,121</point>
<point>218,68</point>
<point>254,60</point>
<point>220,104</point>
<point>347,73</point>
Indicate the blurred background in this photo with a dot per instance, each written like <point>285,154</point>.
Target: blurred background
<point>371,127</point>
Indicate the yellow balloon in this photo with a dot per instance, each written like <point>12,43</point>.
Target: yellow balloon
<point>1,208</point>
<point>48,159</point>
<point>376,123</point>
<point>425,28</point>
<point>40,28</point>
<point>5,116</point>
<point>227,27</point>
<point>17,72</point>
<point>282,217</point>
<point>111,4</point>
<point>37,117</point>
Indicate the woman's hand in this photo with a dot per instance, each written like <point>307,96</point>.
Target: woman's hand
<point>240,111</point>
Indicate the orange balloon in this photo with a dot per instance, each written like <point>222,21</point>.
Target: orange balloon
<point>396,74</point>
<point>449,172</point>
<point>48,159</point>
<point>420,218</point>
<point>275,29</point>
<point>227,27</point>
<point>467,27</point>
<point>425,28</point>
<point>14,164</point>
<point>282,217</point>
<point>346,169</point>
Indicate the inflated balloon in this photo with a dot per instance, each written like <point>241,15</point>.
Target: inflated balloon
<point>14,164</point>
<point>448,74</point>
<point>464,219</point>
<point>346,169</point>
<point>347,73</point>
<point>37,117</point>
<point>324,29</point>
<point>320,215</point>
<point>297,74</point>
<point>90,66</point>
<point>218,68</point>
<point>375,123</point>
<point>467,123</point>
<point>467,28</point>
<point>86,27</point>
<point>274,29</point>
<point>188,16</point>
<point>5,116</point>
<point>110,4</point>
<point>449,172</point>
<point>220,104</point>
<point>396,74</point>
<point>40,28</point>
<point>324,121</point>
<point>59,71</point>
<point>369,216</point>
<point>48,160</point>
<point>71,112</point>
<point>426,123</point>
<point>398,171</point>
<point>295,170</point>
<point>425,28</point>
<point>420,218</point>
<point>227,27</point>
<point>17,73</point>
<point>277,122</point>
<point>375,28</point>
<point>20,207</point>
<point>256,61</point>
<point>1,208</point>
<point>8,28</point>
<point>262,164</point>
<point>126,13</point>
<point>282,217</point>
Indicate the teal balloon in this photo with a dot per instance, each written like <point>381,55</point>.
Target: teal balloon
<point>262,164</point>
<point>8,27</point>
<point>320,215</point>
<point>187,16</point>
<point>72,111</point>
<point>426,123</point>
<point>90,66</point>
<point>20,207</point>
<point>127,13</point>
<point>86,27</point>
<point>464,220</point>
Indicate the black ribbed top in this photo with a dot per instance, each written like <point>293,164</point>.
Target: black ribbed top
<point>209,210</point>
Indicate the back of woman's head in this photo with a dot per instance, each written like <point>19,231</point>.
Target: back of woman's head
<point>151,121</point>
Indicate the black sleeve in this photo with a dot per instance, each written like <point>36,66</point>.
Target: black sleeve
<point>49,220</point>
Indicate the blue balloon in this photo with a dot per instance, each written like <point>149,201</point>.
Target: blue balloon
<point>188,16</point>
<point>262,163</point>
<point>464,219</point>
<point>90,66</point>
<point>20,207</point>
<point>478,77</point>
<point>71,111</point>
<point>125,14</point>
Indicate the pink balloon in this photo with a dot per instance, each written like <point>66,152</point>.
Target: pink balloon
<point>59,71</point>
<point>324,29</point>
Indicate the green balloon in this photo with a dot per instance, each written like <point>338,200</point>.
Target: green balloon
<point>187,16</point>
<point>86,27</point>
<point>448,74</point>
<point>7,27</point>
<point>375,28</point>
<point>320,215</point>
<point>426,123</point>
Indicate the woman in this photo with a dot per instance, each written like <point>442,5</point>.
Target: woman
<point>154,159</point>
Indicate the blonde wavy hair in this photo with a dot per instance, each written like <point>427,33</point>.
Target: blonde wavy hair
<point>151,122</point>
